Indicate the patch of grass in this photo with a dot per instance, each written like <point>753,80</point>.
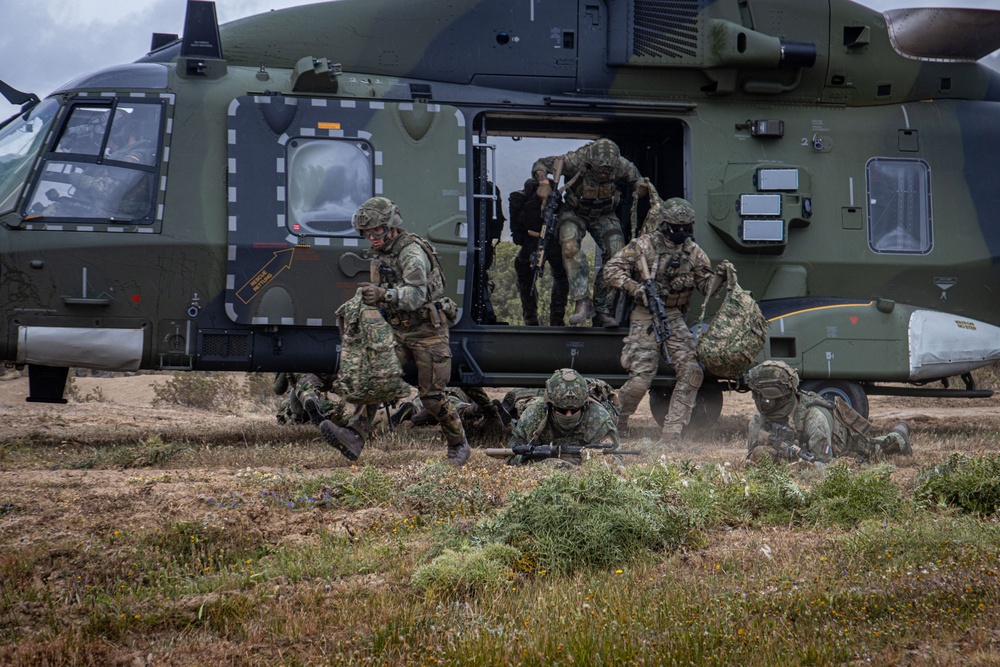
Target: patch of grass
<point>971,484</point>
<point>218,392</point>
<point>461,573</point>
<point>847,497</point>
<point>590,518</point>
<point>149,453</point>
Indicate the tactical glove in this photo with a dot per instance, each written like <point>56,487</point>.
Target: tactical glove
<point>372,294</point>
<point>635,290</point>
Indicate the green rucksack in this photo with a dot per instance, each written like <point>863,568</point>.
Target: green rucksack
<point>736,334</point>
<point>369,371</point>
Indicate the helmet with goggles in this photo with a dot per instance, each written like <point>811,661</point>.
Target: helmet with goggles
<point>566,390</point>
<point>773,379</point>
<point>676,212</point>
<point>376,212</point>
<point>603,155</point>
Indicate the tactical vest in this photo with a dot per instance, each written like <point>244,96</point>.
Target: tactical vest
<point>386,272</point>
<point>591,198</point>
<point>672,267</point>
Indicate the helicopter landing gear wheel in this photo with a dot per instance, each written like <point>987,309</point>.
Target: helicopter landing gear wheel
<point>851,393</point>
<point>707,406</point>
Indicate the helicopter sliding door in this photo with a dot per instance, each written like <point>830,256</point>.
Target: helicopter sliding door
<point>299,169</point>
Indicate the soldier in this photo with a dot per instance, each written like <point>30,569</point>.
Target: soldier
<point>307,401</point>
<point>595,177</point>
<point>565,415</point>
<point>677,267</point>
<point>472,405</point>
<point>410,292</point>
<point>525,227</point>
<point>792,424</point>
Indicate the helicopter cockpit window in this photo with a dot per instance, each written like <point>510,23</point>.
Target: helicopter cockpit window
<point>103,166</point>
<point>20,141</point>
<point>899,206</point>
<point>328,179</point>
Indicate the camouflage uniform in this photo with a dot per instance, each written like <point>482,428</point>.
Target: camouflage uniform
<point>307,400</point>
<point>678,267</point>
<point>825,430</point>
<point>595,177</point>
<point>542,423</point>
<point>408,286</point>
<point>525,218</point>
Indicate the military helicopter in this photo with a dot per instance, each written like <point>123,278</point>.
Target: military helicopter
<point>191,210</point>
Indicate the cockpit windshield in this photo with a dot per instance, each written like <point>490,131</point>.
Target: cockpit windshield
<point>20,141</point>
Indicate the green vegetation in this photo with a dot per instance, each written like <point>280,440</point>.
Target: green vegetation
<point>420,564</point>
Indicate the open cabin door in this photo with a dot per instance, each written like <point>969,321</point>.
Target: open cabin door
<point>298,170</point>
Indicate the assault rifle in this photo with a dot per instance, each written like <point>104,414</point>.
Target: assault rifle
<point>784,440</point>
<point>530,453</point>
<point>549,223</point>
<point>661,328</point>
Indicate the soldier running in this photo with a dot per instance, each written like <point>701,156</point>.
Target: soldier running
<point>408,285</point>
<point>677,266</point>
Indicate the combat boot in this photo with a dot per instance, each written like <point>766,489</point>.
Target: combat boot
<point>903,430</point>
<point>459,453</point>
<point>623,425</point>
<point>584,311</point>
<point>345,439</point>
<point>312,409</point>
<point>670,437</point>
<point>422,418</point>
<point>605,320</point>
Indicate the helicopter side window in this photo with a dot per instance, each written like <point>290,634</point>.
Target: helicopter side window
<point>20,141</point>
<point>899,206</point>
<point>103,165</point>
<point>328,180</point>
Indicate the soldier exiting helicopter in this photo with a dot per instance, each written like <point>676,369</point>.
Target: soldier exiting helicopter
<point>596,176</point>
<point>410,292</point>
<point>525,227</point>
<point>668,262</point>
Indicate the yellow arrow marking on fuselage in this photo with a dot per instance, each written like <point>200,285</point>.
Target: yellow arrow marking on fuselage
<point>267,273</point>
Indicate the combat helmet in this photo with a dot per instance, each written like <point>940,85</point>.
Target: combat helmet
<point>603,156</point>
<point>676,212</point>
<point>773,379</point>
<point>566,390</point>
<point>376,212</point>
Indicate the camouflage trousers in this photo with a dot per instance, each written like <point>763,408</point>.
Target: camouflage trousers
<point>525,272</point>
<point>641,358</point>
<point>607,232</point>
<point>428,348</point>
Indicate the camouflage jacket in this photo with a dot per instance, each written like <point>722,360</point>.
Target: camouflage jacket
<point>534,427</point>
<point>825,429</point>
<point>408,268</point>
<point>585,194</point>
<point>678,270</point>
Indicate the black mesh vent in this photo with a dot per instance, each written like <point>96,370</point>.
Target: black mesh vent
<point>666,28</point>
<point>225,345</point>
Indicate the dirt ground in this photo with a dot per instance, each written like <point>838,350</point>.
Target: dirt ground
<point>53,503</point>
<point>125,415</point>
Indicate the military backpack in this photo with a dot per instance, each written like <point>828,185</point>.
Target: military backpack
<point>369,371</point>
<point>736,334</point>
